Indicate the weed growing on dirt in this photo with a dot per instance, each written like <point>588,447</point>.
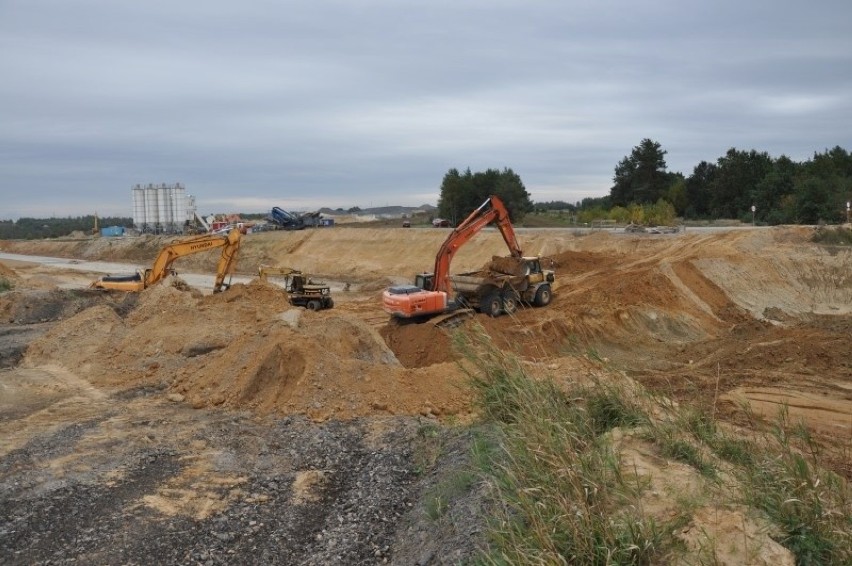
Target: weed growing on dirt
<point>682,439</point>
<point>686,452</point>
<point>608,408</point>
<point>428,447</point>
<point>838,236</point>
<point>5,285</point>
<point>813,506</point>
<point>559,492</point>
<point>593,354</point>
<point>439,498</point>
<point>778,475</point>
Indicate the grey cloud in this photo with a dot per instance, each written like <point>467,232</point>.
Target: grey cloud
<point>343,103</point>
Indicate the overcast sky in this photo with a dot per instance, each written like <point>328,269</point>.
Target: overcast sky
<point>253,104</point>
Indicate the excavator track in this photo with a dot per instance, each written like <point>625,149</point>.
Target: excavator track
<point>452,319</point>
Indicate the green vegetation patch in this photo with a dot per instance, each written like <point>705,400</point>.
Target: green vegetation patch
<point>561,497</point>
<point>556,480</point>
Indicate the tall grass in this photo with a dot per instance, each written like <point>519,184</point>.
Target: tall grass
<point>812,506</point>
<point>560,496</point>
<point>555,477</point>
<point>835,236</point>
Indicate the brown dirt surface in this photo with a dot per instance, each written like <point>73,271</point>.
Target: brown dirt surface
<point>746,322</point>
<point>670,309</point>
<point>418,345</point>
<point>239,349</point>
<point>8,273</point>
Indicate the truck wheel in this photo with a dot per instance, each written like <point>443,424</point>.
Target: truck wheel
<point>313,305</point>
<point>329,303</point>
<point>542,296</point>
<point>492,304</point>
<point>510,301</point>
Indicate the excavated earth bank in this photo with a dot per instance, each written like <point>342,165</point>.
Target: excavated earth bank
<point>234,428</point>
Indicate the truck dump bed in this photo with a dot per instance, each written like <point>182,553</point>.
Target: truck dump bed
<point>497,273</point>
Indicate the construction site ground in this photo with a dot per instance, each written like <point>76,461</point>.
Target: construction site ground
<point>234,428</point>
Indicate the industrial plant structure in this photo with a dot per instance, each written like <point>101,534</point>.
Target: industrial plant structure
<point>161,208</point>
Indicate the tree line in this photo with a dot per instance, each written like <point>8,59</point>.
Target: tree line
<point>781,190</point>
<point>462,193</point>
<point>37,228</point>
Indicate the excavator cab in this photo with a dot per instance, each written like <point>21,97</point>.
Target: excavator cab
<point>297,284</point>
<point>424,280</point>
<point>537,273</point>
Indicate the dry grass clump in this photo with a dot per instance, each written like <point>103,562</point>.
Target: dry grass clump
<point>833,236</point>
<point>561,495</point>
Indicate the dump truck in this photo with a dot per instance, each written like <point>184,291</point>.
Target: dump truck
<point>505,284</point>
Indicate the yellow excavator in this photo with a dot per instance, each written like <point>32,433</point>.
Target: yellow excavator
<point>230,244</point>
<point>301,290</point>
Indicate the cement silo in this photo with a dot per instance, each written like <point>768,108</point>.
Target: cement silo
<point>139,217</point>
<point>159,208</point>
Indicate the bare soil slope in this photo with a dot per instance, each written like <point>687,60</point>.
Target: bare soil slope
<point>762,317</point>
<point>747,309</point>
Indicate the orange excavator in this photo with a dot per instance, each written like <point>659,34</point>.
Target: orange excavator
<point>491,292</point>
<point>230,244</point>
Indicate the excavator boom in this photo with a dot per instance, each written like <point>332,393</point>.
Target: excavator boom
<point>492,210</point>
<point>228,259</point>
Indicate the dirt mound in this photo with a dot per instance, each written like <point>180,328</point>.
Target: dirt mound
<point>573,262</point>
<point>329,366</point>
<point>32,306</point>
<point>81,343</point>
<point>507,266</point>
<point>243,349</point>
<point>8,273</point>
<point>418,345</point>
<point>258,293</point>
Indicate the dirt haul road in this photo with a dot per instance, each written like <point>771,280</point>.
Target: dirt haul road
<point>233,428</point>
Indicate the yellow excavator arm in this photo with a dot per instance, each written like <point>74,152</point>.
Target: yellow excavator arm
<point>265,271</point>
<point>162,265</point>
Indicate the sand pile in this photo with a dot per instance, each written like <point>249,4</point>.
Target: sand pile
<point>246,348</point>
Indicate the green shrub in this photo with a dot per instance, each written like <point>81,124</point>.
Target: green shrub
<point>834,236</point>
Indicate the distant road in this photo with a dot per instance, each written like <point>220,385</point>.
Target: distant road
<point>203,282</point>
